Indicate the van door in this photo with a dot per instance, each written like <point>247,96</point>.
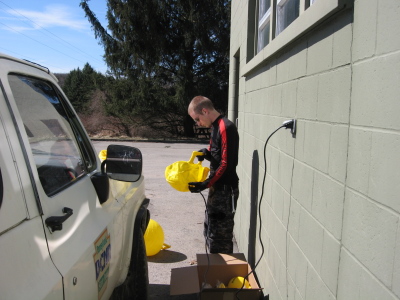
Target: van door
<point>79,237</point>
<point>27,271</point>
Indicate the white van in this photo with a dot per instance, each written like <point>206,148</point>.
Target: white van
<point>71,226</point>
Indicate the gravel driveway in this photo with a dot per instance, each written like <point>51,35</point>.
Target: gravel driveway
<point>180,214</point>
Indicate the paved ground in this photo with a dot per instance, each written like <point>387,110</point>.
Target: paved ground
<point>180,214</point>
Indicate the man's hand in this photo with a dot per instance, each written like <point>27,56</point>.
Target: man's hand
<point>206,154</point>
<point>197,187</point>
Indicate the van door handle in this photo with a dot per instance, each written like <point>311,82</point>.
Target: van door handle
<point>55,223</point>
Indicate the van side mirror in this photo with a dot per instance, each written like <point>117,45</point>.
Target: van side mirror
<point>123,163</point>
<point>1,189</point>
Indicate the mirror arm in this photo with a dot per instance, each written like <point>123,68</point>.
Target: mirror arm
<point>103,166</point>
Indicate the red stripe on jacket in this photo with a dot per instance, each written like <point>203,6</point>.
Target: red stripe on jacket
<point>224,153</point>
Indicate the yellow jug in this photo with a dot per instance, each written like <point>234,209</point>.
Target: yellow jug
<point>180,173</point>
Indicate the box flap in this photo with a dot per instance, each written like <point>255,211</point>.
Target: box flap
<point>221,259</point>
<point>220,267</point>
<point>184,281</point>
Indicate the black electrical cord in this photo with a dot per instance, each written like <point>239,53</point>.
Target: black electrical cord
<point>259,211</point>
<point>206,248</point>
<point>287,124</point>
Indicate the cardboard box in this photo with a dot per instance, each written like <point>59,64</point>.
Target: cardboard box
<point>212,268</point>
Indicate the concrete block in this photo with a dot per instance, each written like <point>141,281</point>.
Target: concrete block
<point>364,32</point>
<point>294,220</point>
<point>307,98</point>
<point>396,271</point>
<point>249,142</point>
<point>269,76</point>
<point>369,233</point>
<point>303,182</point>
<point>293,292</point>
<point>355,282</point>
<point>327,204</point>
<point>298,61</point>
<point>285,171</point>
<point>277,234</point>
<point>311,236</point>
<point>338,152</point>
<point>330,262</point>
<point>277,203</point>
<point>274,165</point>
<point>276,108</point>
<point>297,267</point>
<point>257,129</point>
<point>388,27</point>
<point>316,145</point>
<point>300,140</point>
<point>334,96</point>
<point>278,269</point>
<point>283,67</point>
<point>266,104</point>
<point>384,176</point>
<point>286,209</point>
<point>358,167</point>
<point>316,288</point>
<point>319,54</point>
<point>342,39</point>
<point>289,99</point>
<point>375,88</point>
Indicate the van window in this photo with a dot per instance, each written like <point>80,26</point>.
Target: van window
<point>50,132</point>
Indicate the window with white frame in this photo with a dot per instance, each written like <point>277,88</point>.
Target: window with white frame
<point>264,23</point>
<point>267,19</point>
<point>286,12</point>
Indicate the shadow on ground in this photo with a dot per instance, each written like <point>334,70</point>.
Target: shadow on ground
<point>167,256</point>
<point>161,292</point>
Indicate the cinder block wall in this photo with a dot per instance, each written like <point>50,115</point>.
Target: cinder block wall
<point>330,210</point>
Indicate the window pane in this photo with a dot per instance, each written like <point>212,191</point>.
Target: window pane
<point>57,156</point>
<point>263,37</point>
<point>286,13</point>
<point>263,7</point>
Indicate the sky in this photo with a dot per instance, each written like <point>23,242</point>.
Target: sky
<point>53,33</point>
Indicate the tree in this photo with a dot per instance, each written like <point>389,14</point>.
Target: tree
<point>168,52</point>
<point>79,86</point>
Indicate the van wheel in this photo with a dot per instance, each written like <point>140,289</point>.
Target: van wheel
<point>136,284</point>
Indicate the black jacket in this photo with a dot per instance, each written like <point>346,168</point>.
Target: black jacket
<point>224,148</point>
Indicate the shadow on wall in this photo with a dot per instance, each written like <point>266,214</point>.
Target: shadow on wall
<point>253,209</point>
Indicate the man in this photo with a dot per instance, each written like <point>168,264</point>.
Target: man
<point>223,181</point>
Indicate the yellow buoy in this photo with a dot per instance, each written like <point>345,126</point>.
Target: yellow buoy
<point>154,238</point>
<point>103,155</point>
<point>237,283</point>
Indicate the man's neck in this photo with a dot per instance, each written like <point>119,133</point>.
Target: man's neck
<point>214,115</point>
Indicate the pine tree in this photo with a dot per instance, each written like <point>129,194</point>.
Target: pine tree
<point>169,51</point>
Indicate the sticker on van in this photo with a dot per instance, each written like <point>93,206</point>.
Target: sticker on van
<point>102,257</point>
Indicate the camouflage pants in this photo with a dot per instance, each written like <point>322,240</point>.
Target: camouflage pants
<point>219,219</point>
